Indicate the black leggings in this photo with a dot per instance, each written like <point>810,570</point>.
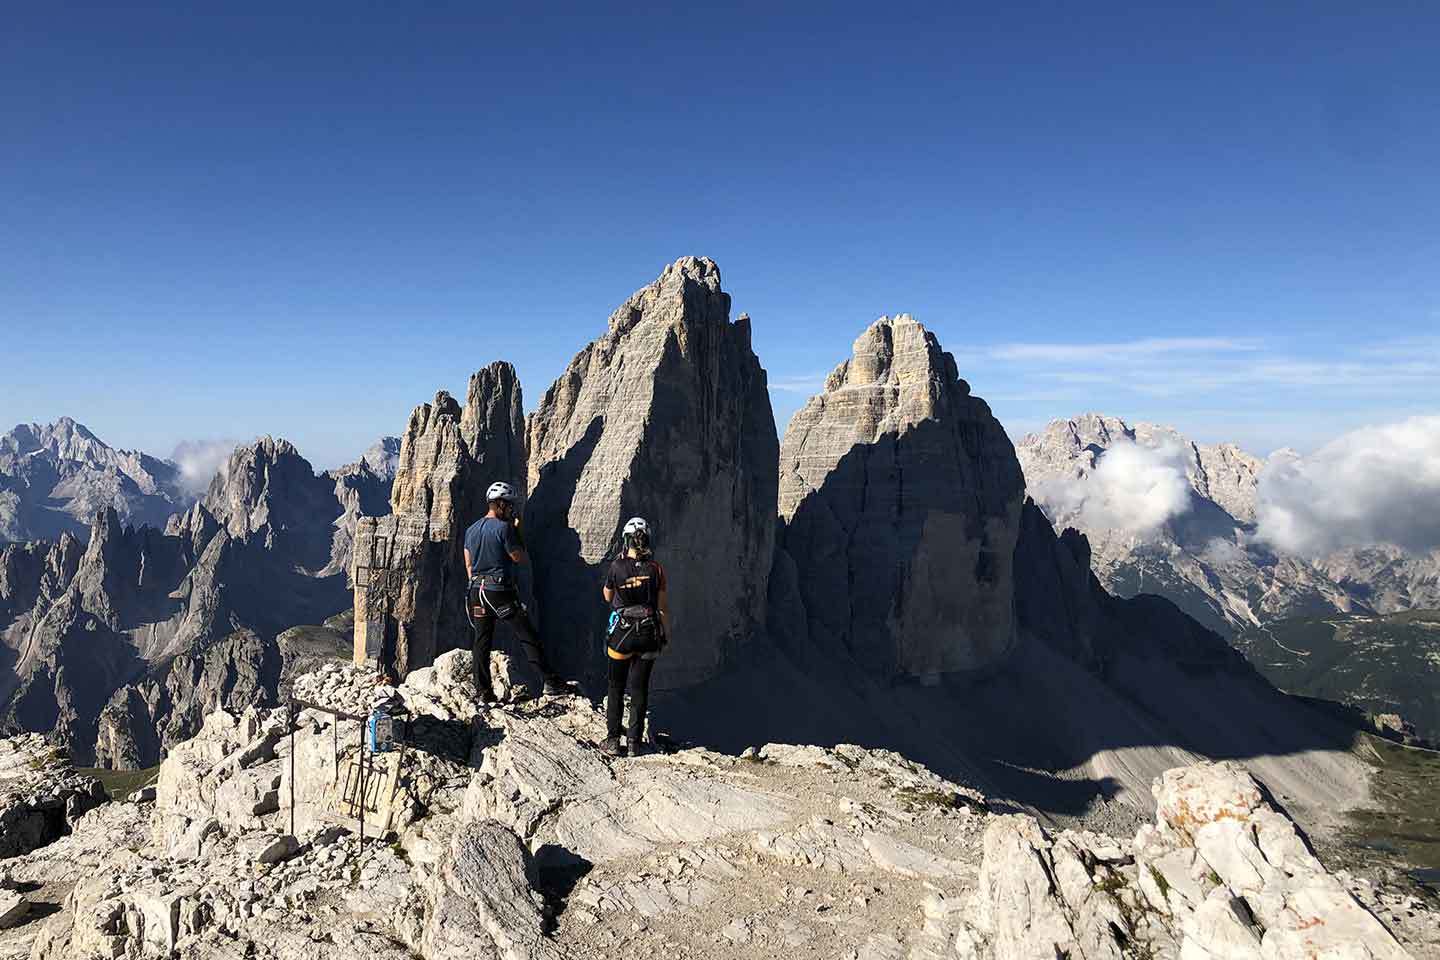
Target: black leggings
<point>637,672</point>
<point>482,618</point>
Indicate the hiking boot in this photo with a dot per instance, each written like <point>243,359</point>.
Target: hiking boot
<point>638,748</point>
<point>486,695</point>
<point>610,746</point>
<point>555,687</point>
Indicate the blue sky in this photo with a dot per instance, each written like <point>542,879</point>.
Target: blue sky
<point>302,219</point>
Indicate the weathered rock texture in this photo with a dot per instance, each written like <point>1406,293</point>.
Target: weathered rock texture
<point>117,649</point>
<point>514,838</point>
<point>900,496</point>
<point>54,478</point>
<point>40,796</point>
<point>666,416</point>
<point>410,572</point>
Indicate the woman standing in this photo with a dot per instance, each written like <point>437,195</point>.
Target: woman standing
<point>636,591</point>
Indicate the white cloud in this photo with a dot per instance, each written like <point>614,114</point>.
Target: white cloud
<point>1373,485</point>
<point>808,384</point>
<point>1132,488</point>
<point>200,460</point>
<point>1122,350</point>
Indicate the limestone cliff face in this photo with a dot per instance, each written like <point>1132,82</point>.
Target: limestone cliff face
<point>666,416</point>
<point>409,566</point>
<point>900,496</point>
<point>493,427</point>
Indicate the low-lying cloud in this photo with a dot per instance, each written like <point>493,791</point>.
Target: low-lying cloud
<point>1132,488</point>
<point>200,460</point>
<point>1374,485</point>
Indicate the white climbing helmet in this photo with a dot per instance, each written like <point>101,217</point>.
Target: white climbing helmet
<point>500,490</point>
<point>637,534</point>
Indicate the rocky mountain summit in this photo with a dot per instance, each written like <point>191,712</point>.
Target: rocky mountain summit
<point>410,576</point>
<point>117,648</point>
<point>666,416</point>
<point>1204,554</point>
<point>54,478</point>
<point>900,499</point>
<point>507,834</point>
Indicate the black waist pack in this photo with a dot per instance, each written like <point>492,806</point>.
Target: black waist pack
<point>634,629</point>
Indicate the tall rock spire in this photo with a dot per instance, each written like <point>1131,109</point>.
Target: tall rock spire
<point>409,566</point>
<point>900,496</point>
<point>666,416</point>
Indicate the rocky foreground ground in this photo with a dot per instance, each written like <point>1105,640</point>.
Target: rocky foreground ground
<point>511,836</point>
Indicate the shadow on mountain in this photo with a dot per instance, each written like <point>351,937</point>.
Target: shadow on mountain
<point>569,611</point>
<point>1099,696</point>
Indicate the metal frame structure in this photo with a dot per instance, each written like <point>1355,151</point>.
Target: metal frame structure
<point>293,706</point>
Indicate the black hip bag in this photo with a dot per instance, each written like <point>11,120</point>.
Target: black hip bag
<point>634,629</point>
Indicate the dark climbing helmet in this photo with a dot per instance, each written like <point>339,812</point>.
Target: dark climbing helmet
<point>637,534</point>
<point>501,490</point>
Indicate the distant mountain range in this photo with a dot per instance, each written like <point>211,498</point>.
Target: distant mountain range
<point>55,478</point>
<point>143,609</point>
<point>1168,516</point>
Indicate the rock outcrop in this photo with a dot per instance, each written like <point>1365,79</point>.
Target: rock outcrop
<point>666,416</point>
<point>1221,874</point>
<point>508,835</point>
<point>40,796</point>
<point>410,573</point>
<point>900,496</point>
<point>54,478</point>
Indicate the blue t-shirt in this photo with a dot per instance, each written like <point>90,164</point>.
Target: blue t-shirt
<point>490,543</point>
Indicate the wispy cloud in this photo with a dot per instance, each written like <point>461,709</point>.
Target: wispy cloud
<point>1119,350</point>
<point>201,460</point>
<point>807,384</point>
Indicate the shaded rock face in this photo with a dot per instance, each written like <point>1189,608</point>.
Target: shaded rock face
<point>54,478</point>
<point>410,575</point>
<point>40,796</point>
<point>117,650</point>
<point>900,496</point>
<point>666,416</point>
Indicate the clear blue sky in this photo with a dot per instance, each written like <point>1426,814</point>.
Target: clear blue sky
<point>302,219</point>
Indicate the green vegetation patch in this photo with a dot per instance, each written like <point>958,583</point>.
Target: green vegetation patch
<point>1403,819</point>
<point>121,783</point>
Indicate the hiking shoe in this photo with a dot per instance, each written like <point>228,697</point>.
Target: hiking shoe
<point>638,749</point>
<point>555,687</point>
<point>486,695</point>
<point>610,746</point>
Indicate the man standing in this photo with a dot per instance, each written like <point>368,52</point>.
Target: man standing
<point>492,549</point>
